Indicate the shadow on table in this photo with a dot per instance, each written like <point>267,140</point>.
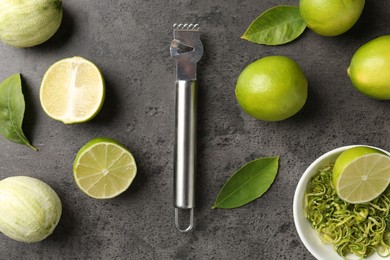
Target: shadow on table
<point>62,36</point>
<point>370,22</point>
<point>110,107</point>
<point>65,227</point>
<point>30,114</point>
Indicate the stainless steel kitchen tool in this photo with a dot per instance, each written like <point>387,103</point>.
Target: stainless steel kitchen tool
<point>186,49</point>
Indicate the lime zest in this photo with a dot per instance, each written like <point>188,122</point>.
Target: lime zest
<point>360,229</point>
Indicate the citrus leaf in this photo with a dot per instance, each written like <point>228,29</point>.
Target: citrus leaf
<point>248,183</point>
<point>12,110</point>
<point>276,26</point>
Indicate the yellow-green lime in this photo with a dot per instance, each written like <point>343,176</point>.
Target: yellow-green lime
<point>361,174</point>
<point>104,168</point>
<point>272,88</point>
<point>330,17</point>
<point>29,23</point>
<point>72,90</point>
<point>369,70</point>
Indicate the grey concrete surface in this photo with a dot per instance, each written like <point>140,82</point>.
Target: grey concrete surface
<point>129,41</point>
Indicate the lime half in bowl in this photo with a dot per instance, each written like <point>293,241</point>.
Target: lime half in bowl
<point>307,234</point>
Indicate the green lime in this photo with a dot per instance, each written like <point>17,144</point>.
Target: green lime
<point>104,168</point>
<point>369,70</point>
<point>361,174</point>
<point>272,88</point>
<point>29,23</point>
<point>330,17</point>
<point>72,90</point>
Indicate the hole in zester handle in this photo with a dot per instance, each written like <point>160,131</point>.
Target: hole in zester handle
<point>179,219</point>
<point>180,47</point>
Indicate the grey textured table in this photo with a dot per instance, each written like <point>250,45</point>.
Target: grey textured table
<point>129,41</point>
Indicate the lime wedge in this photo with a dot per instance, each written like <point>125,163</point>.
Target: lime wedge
<point>103,168</point>
<point>72,90</point>
<point>361,174</point>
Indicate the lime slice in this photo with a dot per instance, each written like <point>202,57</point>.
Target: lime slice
<point>72,90</point>
<point>103,168</point>
<point>361,174</point>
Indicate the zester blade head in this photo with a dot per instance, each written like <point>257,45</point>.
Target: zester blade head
<point>187,49</point>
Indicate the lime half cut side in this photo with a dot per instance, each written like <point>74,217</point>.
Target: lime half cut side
<point>72,90</point>
<point>103,168</point>
<point>364,178</point>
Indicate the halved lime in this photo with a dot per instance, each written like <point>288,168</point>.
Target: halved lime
<point>104,168</point>
<point>361,174</point>
<point>72,90</point>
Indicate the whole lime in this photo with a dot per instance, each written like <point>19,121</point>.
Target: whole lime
<point>369,70</point>
<point>29,23</point>
<point>330,17</point>
<point>29,209</point>
<point>272,88</point>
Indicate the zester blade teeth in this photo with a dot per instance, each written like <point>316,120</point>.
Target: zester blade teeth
<point>186,26</point>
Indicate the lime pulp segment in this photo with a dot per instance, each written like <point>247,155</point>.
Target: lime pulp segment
<point>72,90</point>
<point>104,169</point>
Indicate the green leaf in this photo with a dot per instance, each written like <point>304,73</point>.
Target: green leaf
<point>248,183</point>
<point>12,110</point>
<point>276,26</point>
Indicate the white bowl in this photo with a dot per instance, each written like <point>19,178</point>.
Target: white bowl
<point>308,235</point>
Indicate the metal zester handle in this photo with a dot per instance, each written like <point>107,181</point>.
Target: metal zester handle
<point>185,150</point>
